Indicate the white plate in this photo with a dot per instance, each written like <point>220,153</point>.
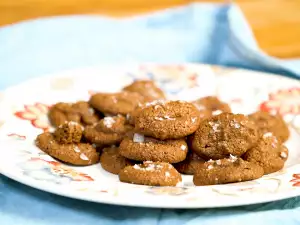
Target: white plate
<point>23,116</point>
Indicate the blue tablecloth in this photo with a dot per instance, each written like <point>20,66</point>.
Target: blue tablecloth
<point>206,33</point>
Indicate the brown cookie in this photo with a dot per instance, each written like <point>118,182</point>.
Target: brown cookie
<point>79,112</point>
<point>271,123</point>
<point>69,132</point>
<point>109,131</point>
<point>75,154</point>
<point>269,153</point>
<point>211,106</point>
<point>167,120</point>
<point>151,173</point>
<point>141,148</point>
<point>223,171</point>
<point>112,161</point>
<point>116,103</point>
<point>223,135</point>
<point>146,88</point>
<point>191,164</point>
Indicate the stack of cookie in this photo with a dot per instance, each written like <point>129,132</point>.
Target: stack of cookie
<point>238,137</point>
<point>161,128</point>
<point>148,140</point>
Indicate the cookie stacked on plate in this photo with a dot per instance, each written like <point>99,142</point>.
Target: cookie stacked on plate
<point>148,140</point>
<point>160,131</point>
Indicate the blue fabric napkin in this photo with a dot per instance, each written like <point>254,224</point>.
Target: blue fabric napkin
<point>207,33</point>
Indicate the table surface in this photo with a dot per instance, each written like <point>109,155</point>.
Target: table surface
<point>276,23</point>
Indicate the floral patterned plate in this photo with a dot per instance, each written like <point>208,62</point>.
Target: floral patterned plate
<point>23,115</point>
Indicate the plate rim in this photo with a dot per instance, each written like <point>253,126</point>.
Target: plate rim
<point>60,192</point>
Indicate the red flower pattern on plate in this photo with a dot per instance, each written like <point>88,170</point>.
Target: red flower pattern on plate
<point>36,114</point>
<point>17,136</point>
<point>296,180</point>
<point>60,170</point>
<point>283,101</point>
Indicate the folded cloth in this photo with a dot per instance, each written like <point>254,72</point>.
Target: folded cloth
<point>205,33</point>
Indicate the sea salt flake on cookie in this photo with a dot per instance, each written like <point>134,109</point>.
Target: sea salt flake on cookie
<point>215,126</point>
<point>235,124</point>
<point>83,156</point>
<point>232,158</point>
<point>283,155</point>
<point>216,112</point>
<point>76,149</point>
<point>138,138</point>
<point>108,122</point>
<point>210,167</point>
<point>91,111</point>
<point>169,118</point>
<point>194,119</point>
<point>137,167</point>
<point>267,135</point>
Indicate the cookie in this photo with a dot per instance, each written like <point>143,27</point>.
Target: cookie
<point>146,88</point>
<point>223,135</point>
<point>267,122</point>
<point>75,153</point>
<point>112,161</point>
<point>230,170</point>
<point>167,120</point>
<point>211,106</point>
<point>69,132</point>
<point>151,173</point>
<point>141,148</point>
<point>79,112</point>
<point>269,153</point>
<point>191,164</point>
<point>109,131</point>
<point>116,103</point>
